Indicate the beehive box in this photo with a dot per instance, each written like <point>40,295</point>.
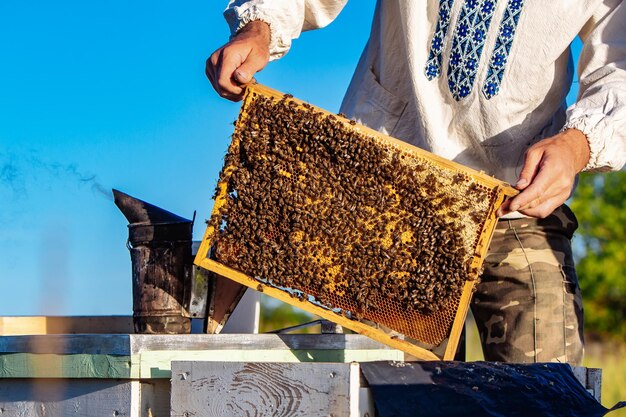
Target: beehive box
<point>354,226</point>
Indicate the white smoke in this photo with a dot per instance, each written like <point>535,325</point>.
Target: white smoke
<point>17,173</point>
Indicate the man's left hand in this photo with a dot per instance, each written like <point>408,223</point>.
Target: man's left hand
<point>548,174</point>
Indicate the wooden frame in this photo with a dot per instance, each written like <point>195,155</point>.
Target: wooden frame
<point>296,389</point>
<point>502,190</point>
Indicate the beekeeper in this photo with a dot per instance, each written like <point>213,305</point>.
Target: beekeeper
<point>483,83</point>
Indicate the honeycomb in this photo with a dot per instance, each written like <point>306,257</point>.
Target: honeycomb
<point>332,213</point>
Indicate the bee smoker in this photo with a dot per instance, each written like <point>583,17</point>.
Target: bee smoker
<point>160,252</point>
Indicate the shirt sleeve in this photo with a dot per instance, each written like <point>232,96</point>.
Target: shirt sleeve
<point>286,18</point>
<point>600,111</point>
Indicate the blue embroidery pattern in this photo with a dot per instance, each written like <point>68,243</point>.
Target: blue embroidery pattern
<point>467,45</point>
<point>501,50</point>
<point>433,65</point>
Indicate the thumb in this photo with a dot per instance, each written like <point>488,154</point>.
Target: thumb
<point>531,167</point>
<point>254,63</point>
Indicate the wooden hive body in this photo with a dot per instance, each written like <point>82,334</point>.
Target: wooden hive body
<point>354,226</point>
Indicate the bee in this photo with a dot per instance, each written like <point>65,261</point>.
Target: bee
<point>476,218</point>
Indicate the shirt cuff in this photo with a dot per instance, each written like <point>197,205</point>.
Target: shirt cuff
<point>239,16</point>
<point>589,125</point>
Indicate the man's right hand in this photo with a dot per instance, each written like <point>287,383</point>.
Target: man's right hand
<point>234,64</point>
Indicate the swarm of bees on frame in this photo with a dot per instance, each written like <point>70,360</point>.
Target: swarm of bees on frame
<point>333,215</point>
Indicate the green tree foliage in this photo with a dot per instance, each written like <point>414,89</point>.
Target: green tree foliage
<point>600,250</point>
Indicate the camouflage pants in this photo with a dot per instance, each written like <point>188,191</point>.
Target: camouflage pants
<point>528,305</point>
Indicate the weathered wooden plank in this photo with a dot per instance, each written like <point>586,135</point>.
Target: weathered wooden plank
<point>31,325</point>
<point>143,343</point>
<point>594,383</point>
<point>204,389</point>
<point>109,344</point>
<point>244,319</point>
<point>591,379</point>
<point>127,344</point>
<point>62,398</point>
<point>155,398</point>
<point>84,397</point>
<point>47,365</point>
<point>149,356</point>
<point>581,374</point>
<point>367,408</point>
<point>227,296</point>
<point>158,364</point>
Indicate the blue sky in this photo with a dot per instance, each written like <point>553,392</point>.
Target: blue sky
<point>96,95</point>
